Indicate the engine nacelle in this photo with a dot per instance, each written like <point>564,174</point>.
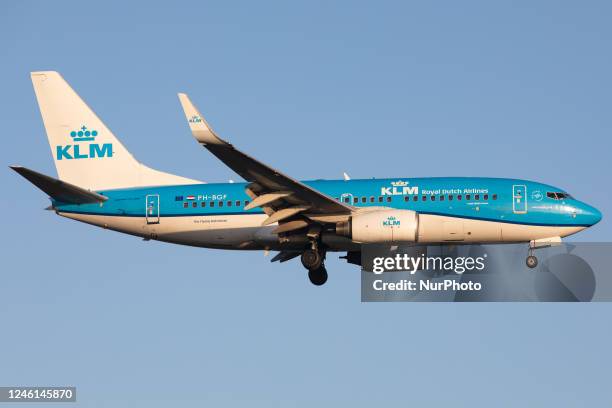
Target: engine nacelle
<point>381,226</point>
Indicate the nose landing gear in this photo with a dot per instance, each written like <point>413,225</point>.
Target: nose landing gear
<point>531,261</point>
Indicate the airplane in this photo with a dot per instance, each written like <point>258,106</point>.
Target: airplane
<point>100,183</point>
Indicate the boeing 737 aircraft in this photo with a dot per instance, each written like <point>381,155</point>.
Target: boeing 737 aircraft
<point>102,184</point>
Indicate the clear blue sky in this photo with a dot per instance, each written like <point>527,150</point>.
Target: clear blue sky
<point>506,89</point>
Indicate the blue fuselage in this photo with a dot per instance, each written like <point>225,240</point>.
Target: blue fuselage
<point>488,199</point>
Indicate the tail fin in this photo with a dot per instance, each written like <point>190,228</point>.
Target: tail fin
<point>85,151</point>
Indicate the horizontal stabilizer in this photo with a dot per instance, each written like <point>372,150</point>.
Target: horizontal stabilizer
<point>59,190</point>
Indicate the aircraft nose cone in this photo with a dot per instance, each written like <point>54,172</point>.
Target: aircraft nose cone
<point>593,214</point>
<point>596,216</point>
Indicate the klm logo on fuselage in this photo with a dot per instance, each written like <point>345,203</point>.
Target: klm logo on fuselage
<point>82,151</point>
<point>399,188</point>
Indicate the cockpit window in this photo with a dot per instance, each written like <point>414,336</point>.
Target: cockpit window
<point>557,195</point>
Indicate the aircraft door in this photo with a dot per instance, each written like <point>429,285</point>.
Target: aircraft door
<point>519,199</point>
<point>347,196</point>
<point>152,208</point>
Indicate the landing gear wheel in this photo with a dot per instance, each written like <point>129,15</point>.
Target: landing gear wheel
<point>318,276</point>
<point>531,261</point>
<point>312,259</point>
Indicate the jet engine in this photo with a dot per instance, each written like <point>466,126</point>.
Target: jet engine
<point>381,226</point>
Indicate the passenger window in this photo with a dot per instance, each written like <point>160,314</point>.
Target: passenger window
<point>495,196</point>
<point>355,200</point>
<point>433,198</point>
<point>415,198</point>
<point>372,199</point>
<point>346,200</point>
<point>406,198</point>
<point>364,199</point>
<point>450,197</point>
<point>485,197</point>
<point>424,198</point>
<point>380,199</point>
<point>459,197</point>
<point>220,203</point>
<point>477,197</point>
<point>237,203</point>
<point>212,203</point>
<point>203,204</point>
<point>389,199</point>
<point>194,204</point>
<point>185,205</point>
<point>229,203</point>
<point>246,202</point>
<point>441,198</point>
<point>467,196</point>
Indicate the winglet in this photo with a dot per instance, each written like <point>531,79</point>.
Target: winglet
<point>199,128</point>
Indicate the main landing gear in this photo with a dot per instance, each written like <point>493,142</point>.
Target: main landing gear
<point>318,276</point>
<point>312,259</point>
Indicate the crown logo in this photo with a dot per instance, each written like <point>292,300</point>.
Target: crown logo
<point>83,134</point>
<point>399,183</point>
<point>195,119</point>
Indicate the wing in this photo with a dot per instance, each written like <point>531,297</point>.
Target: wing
<point>281,197</point>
